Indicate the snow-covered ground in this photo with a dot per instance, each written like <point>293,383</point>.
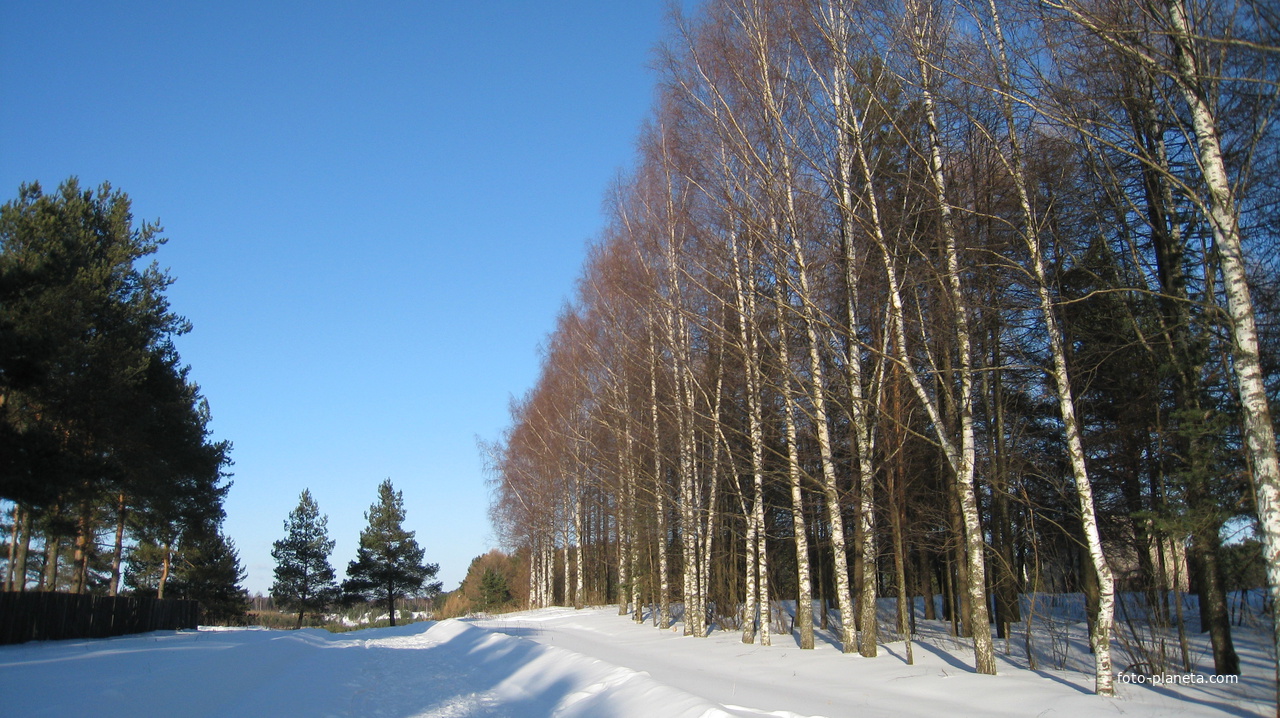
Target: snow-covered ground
<point>564,662</point>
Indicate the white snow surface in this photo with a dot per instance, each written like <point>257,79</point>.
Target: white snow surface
<point>556,662</point>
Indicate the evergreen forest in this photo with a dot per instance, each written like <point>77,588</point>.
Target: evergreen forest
<point>111,478</point>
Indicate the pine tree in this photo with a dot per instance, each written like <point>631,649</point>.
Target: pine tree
<point>304,578</point>
<point>96,408</point>
<point>389,563</point>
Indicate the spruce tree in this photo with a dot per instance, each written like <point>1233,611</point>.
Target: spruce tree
<point>494,592</point>
<point>304,578</point>
<point>389,563</point>
<point>208,570</point>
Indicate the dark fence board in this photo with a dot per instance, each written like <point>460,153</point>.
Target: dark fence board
<point>44,616</point>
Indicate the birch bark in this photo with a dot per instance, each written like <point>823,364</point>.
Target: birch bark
<point>1260,438</point>
<point>1100,630</point>
<point>804,585</point>
<point>757,610</point>
<point>1194,84</point>
<point>961,457</point>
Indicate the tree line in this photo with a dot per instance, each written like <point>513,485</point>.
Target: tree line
<point>109,472</point>
<point>970,298</point>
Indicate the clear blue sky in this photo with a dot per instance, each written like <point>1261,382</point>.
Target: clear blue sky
<point>374,211</point>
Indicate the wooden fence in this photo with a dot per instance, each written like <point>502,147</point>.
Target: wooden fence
<point>40,616</point>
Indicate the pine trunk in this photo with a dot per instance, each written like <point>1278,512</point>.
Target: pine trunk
<point>49,577</point>
<point>24,550</point>
<point>80,558</point>
<point>10,570</point>
<point>164,570</point>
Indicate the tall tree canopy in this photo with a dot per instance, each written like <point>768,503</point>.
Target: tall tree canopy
<point>100,423</point>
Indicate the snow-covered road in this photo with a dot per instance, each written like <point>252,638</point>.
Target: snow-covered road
<point>783,680</point>
<point>555,662</point>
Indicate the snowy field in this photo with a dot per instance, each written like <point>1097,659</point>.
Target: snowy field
<point>561,662</point>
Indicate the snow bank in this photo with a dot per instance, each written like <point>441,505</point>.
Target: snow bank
<point>782,679</point>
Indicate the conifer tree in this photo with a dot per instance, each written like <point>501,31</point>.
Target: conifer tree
<point>208,570</point>
<point>99,419</point>
<point>389,563</point>
<point>493,590</point>
<point>304,578</point>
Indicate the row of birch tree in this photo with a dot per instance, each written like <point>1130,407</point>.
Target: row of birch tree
<point>968,298</point>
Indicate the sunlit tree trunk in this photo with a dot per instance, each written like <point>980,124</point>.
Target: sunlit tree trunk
<point>579,580</point>
<point>961,457</point>
<point>1260,438</point>
<point>757,604</point>
<point>167,552</point>
<point>790,242</point>
<point>804,584</point>
<point>1100,630</point>
<point>626,513</point>
<point>1195,85</point>
<point>834,23</point>
<point>24,550</point>
<point>660,492</point>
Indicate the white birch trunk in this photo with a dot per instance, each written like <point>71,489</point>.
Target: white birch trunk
<point>577,548</point>
<point>830,488</point>
<point>757,608</point>
<point>566,556</point>
<point>804,585</point>
<point>626,514</point>
<point>836,29</point>
<point>1100,633</point>
<point>663,616</point>
<point>708,500</point>
<point>549,572</point>
<point>758,34</point>
<point>963,459</point>
<point>1223,213</point>
<point>1260,439</point>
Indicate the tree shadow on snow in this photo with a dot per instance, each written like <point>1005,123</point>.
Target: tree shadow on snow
<point>946,657</point>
